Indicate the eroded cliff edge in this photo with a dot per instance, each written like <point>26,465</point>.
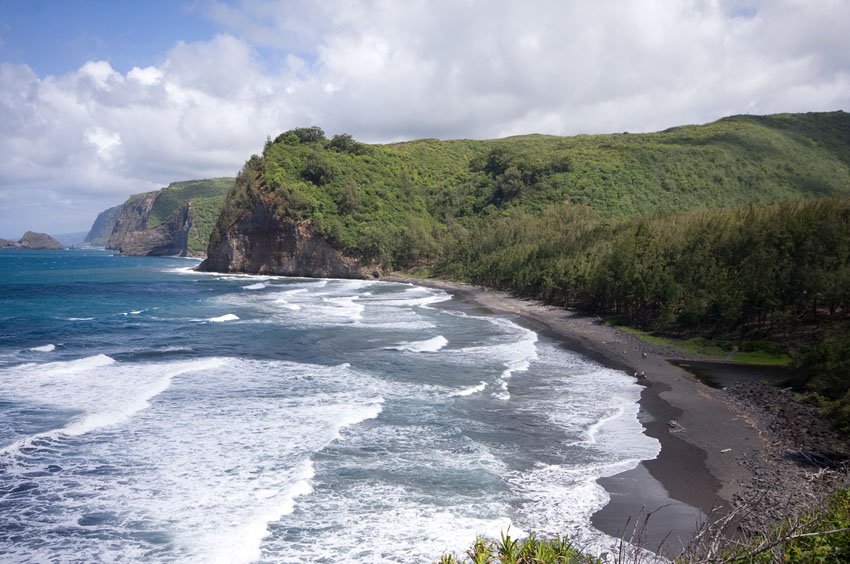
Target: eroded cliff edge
<point>255,237</point>
<point>102,227</point>
<point>176,220</point>
<point>132,237</point>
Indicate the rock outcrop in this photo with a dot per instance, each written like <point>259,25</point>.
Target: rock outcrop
<point>167,239</point>
<point>259,241</point>
<point>32,240</point>
<point>132,218</point>
<point>101,229</point>
<point>176,220</point>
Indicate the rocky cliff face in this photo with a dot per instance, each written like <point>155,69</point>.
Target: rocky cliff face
<point>167,239</point>
<point>131,236</point>
<point>32,240</point>
<point>258,241</point>
<point>132,218</point>
<point>175,220</point>
<point>102,227</point>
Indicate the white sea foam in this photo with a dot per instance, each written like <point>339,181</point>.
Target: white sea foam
<point>256,286</point>
<point>224,451</point>
<point>593,431</point>
<point>104,392</point>
<point>175,348</point>
<point>44,348</point>
<point>185,270</point>
<point>418,296</point>
<point>345,307</point>
<point>242,542</point>
<point>516,355</point>
<point>428,345</point>
<point>80,318</point>
<point>225,317</point>
<point>470,390</point>
<point>329,302</point>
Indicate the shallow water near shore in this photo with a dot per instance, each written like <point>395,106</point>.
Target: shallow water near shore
<point>152,412</point>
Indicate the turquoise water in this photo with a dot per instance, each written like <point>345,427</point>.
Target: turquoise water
<point>148,412</point>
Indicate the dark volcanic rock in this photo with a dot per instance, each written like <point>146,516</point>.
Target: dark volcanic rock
<point>133,217</point>
<point>806,459</point>
<point>260,242</point>
<point>33,240</point>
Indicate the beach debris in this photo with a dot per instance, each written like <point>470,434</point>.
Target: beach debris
<point>643,355</point>
<point>726,450</point>
<point>675,426</point>
<point>817,459</point>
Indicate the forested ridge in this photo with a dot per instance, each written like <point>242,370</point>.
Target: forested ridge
<point>400,204</point>
<point>205,198</point>
<point>735,230</point>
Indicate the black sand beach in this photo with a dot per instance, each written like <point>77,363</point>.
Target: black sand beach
<point>718,448</point>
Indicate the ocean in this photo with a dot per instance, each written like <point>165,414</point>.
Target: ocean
<point>152,413</point>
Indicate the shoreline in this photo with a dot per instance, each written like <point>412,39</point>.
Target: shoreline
<point>707,439</point>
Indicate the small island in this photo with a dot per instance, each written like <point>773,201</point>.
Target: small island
<point>32,240</point>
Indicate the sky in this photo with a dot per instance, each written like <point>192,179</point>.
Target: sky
<point>103,99</point>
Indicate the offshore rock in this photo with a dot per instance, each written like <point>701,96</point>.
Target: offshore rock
<point>32,240</point>
<point>258,241</point>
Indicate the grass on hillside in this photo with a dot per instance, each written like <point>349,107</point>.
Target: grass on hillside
<point>178,193</point>
<point>205,213</point>
<point>398,204</point>
<point>763,354</point>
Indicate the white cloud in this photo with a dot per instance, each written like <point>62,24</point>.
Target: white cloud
<point>385,70</point>
<point>148,76</point>
<point>106,143</point>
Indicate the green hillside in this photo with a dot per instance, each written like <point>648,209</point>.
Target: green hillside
<point>177,193</point>
<point>205,199</point>
<point>204,213</point>
<point>396,204</point>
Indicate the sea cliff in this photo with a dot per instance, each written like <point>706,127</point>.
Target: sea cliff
<point>176,220</point>
<point>259,241</point>
<point>102,227</point>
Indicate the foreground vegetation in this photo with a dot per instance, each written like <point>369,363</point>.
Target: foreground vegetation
<point>821,535</point>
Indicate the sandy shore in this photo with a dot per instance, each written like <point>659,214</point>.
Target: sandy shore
<point>716,447</point>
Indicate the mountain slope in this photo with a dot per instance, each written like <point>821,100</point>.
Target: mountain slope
<point>400,205</point>
<point>102,227</point>
<point>175,220</point>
